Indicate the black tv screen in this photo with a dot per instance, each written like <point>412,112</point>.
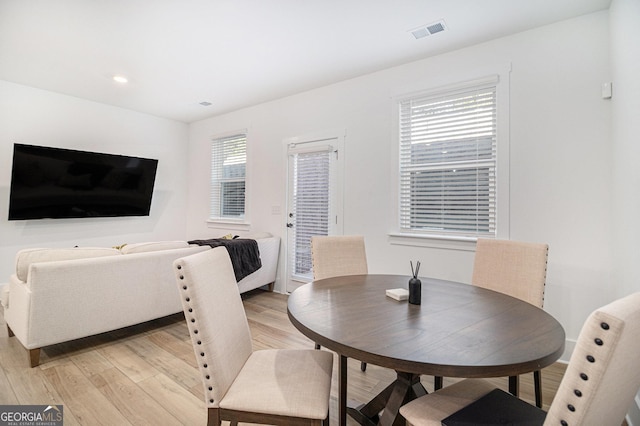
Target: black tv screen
<point>63,183</point>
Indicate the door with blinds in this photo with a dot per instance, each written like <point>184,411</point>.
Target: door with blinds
<point>313,202</point>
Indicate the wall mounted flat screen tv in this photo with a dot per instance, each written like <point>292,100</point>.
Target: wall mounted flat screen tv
<point>61,183</point>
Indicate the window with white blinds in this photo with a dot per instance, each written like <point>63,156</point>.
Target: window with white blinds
<point>448,162</point>
<point>228,172</point>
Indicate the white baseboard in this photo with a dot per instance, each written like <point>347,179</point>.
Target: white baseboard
<point>633,416</point>
<point>569,346</point>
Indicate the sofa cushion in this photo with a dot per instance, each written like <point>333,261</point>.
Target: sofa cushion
<point>26,257</point>
<point>153,246</point>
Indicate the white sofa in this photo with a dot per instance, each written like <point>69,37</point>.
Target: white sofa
<point>57,295</point>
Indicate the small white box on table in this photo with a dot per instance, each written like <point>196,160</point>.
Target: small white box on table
<point>398,293</point>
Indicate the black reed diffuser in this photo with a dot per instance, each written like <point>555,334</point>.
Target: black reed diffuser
<point>415,285</point>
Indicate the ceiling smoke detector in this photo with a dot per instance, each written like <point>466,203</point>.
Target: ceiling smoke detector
<point>430,29</point>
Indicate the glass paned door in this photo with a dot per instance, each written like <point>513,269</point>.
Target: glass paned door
<point>312,204</point>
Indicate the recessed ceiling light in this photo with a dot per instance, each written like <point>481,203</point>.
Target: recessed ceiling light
<point>120,79</point>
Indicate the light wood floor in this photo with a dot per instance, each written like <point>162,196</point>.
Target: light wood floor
<point>147,375</point>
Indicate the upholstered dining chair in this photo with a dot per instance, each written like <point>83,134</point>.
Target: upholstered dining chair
<point>272,386</point>
<point>334,256</point>
<point>518,269</point>
<point>515,268</point>
<point>597,388</point>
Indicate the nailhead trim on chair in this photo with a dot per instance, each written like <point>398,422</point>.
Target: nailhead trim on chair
<point>598,341</point>
<point>195,331</point>
<point>544,285</point>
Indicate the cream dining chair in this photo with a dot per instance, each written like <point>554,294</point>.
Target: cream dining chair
<point>515,268</point>
<point>334,256</point>
<point>273,386</point>
<point>597,388</point>
<point>518,269</point>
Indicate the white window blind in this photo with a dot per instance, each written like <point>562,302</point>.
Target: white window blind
<point>448,163</point>
<point>228,172</point>
<point>310,204</point>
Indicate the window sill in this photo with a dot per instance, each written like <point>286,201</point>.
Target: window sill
<point>448,242</point>
<point>229,224</point>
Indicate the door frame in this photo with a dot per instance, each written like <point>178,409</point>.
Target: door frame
<point>336,137</point>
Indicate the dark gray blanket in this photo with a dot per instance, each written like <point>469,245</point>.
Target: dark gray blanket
<point>244,254</point>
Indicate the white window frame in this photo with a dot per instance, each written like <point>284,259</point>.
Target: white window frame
<point>217,220</point>
<point>460,242</point>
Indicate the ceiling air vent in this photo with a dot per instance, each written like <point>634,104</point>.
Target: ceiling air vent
<point>430,29</point>
<point>436,28</point>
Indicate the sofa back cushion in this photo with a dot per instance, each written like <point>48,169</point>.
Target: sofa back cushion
<point>258,235</point>
<point>26,257</point>
<point>152,246</point>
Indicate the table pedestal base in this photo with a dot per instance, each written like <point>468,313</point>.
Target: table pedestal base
<point>405,388</point>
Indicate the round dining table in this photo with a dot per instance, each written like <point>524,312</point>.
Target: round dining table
<point>458,330</point>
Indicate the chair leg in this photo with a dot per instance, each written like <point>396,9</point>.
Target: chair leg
<point>10,332</point>
<point>514,385</point>
<point>537,385</point>
<point>363,365</point>
<point>437,382</point>
<point>213,417</point>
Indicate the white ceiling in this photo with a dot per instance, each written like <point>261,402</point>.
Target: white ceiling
<point>235,53</point>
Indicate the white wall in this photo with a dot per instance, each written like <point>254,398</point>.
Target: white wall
<point>560,157</point>
<point>625,59</point>
<point>625,63</point>
<point>37,117</point>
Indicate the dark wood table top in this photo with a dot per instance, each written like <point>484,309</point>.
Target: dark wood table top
<point>459,330</point>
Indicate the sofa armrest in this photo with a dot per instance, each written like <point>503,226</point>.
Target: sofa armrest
<point>269,251</point>
<point>16,313</point>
